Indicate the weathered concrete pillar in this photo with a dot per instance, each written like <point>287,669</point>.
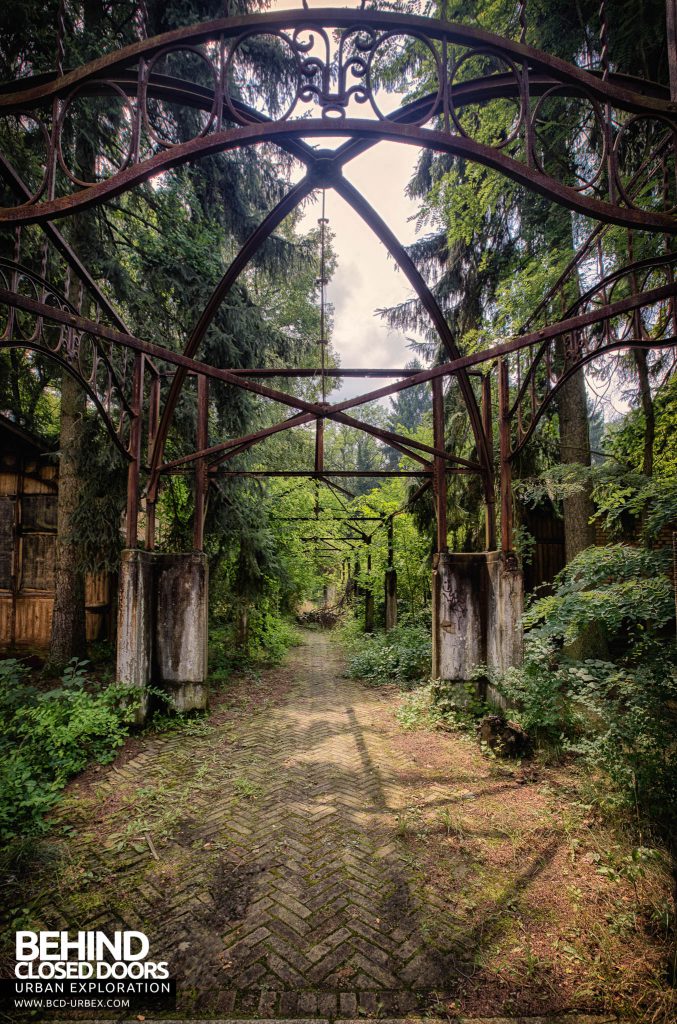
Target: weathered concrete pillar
<point>458,591</point>
<point>135,617</point>
<point>478,601</point>
<point>181,589</point>
<point>391,599</point>
<point>505,607</point>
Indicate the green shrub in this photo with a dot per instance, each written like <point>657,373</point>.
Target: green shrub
<point>616,711</point>
<point>626,592</point>
<point>402,655</point>
<point>270,635</point>
<point>49,736</point>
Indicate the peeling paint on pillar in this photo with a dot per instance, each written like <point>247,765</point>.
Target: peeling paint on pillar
<point>135,615</point>
<point>181,628</point>
<point>478,601</point>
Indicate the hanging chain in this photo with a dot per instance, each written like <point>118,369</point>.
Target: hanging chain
<point>322,282</point>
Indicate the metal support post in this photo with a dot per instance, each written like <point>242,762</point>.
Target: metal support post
<point>506,468</point>
<point>131,540</point>
<point>488,427</point>
<point>201,465</point>
<point>439,476</point>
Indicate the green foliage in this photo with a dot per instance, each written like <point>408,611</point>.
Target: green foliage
<point>101,499</point>
<point>461,711</point>
<point>625,591</point>
<point>270,637</point>
<point>401,655</point>
<point>616,711</point>
<point>419,709</point>
<point>439,704</point>
<point>47,736</point>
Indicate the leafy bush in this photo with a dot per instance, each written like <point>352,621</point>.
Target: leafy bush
<point>440,705</point>
<point>617,711</point>
<point>402,655</point>
<point>624,591</point>
<point>48,736</point>
<point>270,637</point>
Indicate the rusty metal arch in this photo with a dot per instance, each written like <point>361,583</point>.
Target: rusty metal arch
<point>331,175</point>
<point>331,86</point>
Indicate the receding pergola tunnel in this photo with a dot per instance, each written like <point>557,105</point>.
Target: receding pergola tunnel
<point>477,599</point>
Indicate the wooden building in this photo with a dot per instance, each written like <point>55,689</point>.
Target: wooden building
<point>28,509</point>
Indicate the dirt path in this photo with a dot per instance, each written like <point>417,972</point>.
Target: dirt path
<point>308,857</point>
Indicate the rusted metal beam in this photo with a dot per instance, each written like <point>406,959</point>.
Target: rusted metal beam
<point>607,312</point>
<point>346,474</point>
<point>387,130</point>
<point>246,253</point>
<point>159,353</point>
<point>430,304</point>
<point>671,25</point>
<point>328,371</point>
<point>319,445</point>
<point>488,424</point>
<point>506,469</point>
<point>20,189</point>
<point>27,93</point>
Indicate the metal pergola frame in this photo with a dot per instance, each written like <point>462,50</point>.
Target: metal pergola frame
<point>632,307</point>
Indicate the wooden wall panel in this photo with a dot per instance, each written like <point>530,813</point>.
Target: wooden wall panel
<point>33,619</point>
<point>5,618</point>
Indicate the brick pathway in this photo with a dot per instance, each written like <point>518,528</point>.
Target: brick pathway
<point>280,888</point>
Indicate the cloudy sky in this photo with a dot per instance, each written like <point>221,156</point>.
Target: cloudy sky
<point>366,278</point>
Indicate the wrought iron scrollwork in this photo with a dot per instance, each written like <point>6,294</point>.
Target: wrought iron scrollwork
<point>203,82</point>
<point>538,371</point>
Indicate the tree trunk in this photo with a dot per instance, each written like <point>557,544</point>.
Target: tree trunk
<point>68,619</point>
<point>579,534</point>
<point>647,409</point>
<point>242,628</point>
<point>574,442</point>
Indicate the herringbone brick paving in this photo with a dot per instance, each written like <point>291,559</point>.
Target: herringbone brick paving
<point>280,888</point>
<point>298,856</point>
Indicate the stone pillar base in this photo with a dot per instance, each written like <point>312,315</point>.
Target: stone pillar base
<point>134,638</point>
<point>162,627</point>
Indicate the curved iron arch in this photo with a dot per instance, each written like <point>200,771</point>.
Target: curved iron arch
<point>331,80</point>
<point>583,360</point>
